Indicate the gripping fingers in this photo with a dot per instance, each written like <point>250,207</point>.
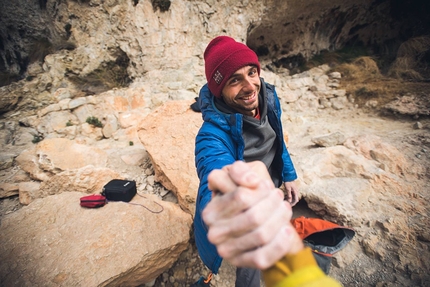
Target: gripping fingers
<point>228,215</point>
<point>235,202</point>
<point>263,233</point>
<point>248,174</point>
<point>253,227</point>
<point>220,181</point>
<point>265,256</point>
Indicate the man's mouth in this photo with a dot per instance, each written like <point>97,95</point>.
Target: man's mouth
<point>249,98</point>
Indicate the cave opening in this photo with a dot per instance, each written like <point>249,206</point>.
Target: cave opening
<point>384,30</point>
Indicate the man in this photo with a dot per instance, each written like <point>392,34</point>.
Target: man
<point>242,121</point>
<point>282,256</point>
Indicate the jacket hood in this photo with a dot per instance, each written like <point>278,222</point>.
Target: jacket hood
<point>210,113</point>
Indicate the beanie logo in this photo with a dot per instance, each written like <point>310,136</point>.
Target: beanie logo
<point>218,77</point>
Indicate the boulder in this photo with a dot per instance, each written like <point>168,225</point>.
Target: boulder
<point>52,156</point>
<point>328,140</point>
<point>88,179</point>
<point>8,189</point>
<point>173,155</point>
<point>56,242</point>
<point>373,147</point>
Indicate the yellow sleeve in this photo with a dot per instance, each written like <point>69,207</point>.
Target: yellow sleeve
<point>298,270</point>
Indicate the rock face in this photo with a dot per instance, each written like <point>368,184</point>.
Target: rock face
<point>348,178</point>
<point>55,155</point>
<point>169,137</point>
<point>285,33</point>
<point>55,242</point>
<point>299,30</point>
<point>104,92</point>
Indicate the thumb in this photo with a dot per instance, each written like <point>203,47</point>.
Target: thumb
<point>288,192</point>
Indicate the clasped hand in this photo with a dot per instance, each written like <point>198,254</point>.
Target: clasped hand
<point>248,220</point>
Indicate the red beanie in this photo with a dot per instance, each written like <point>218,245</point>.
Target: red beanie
<point>224,56</point>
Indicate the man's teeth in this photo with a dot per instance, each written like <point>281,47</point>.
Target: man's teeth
<point>247,98</point>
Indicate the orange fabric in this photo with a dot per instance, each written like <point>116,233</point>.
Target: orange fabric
<point>307,226</point>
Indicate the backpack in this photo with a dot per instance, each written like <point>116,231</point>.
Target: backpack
<point>325,238</point>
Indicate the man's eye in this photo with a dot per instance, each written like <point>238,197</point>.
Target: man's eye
<point>252,72</point>
<point>233,81</point>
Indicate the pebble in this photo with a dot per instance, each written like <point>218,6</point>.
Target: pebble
<point>418,126</point>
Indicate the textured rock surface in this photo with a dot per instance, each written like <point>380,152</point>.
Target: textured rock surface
<point>169,137</point>
<point>118,61</point>
<point>55,242</point>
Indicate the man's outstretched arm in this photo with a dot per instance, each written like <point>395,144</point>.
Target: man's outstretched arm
<point>249,223</point>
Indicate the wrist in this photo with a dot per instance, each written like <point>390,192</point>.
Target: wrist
<point>296,244</point>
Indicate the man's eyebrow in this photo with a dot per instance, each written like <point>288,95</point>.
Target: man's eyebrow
<point>234,75</point>
<point>237,74</point>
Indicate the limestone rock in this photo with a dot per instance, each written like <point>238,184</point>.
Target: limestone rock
<point>110,126</point>
<point>358,184</point>
<point>134,156</point>
<point>28,191</point>
<point>410,105</point>
<point>54,241</point>
<point>6,160</point>
<point>91,131</point>
<point>329,198</point>
<point>55,121</point>
<point>51,156</point>
<point>88,179</point>
<point>337,161</point>
<point>372,147</point>
<point>24,137</point>
<point>8,189</point>
<point>332,139</point>
<point>173,155</point>
<point>9,99</point>
<point>28,162</point>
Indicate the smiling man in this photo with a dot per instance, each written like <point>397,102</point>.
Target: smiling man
<point>242,121</point>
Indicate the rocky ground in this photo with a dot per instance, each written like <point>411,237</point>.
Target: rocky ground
<point>408,133</point>
<point>400,131</point>
<point>119,60</point>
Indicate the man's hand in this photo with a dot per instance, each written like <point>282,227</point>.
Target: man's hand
<point>247,218</point>
<point>292,192</point>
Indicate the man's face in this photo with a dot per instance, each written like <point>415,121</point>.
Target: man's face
<point>241,90</point>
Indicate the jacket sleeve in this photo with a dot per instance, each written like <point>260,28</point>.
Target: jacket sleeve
<point>297,270</point>
<point>213,150</point>
<point>289,172</point>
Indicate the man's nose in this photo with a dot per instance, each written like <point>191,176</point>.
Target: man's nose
<point>247,85</point>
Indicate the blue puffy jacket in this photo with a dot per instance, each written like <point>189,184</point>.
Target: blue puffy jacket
<point>219,142</point>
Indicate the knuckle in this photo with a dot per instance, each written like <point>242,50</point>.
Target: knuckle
<point>223,251</point>
<point>260,261</point>
<point>211,237</point>
<point>261,237</point>
<point>240,197</point>
<point>253,219</point>
<point>215,236</point>
<point>212,175</point>
<point>205,217</point>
